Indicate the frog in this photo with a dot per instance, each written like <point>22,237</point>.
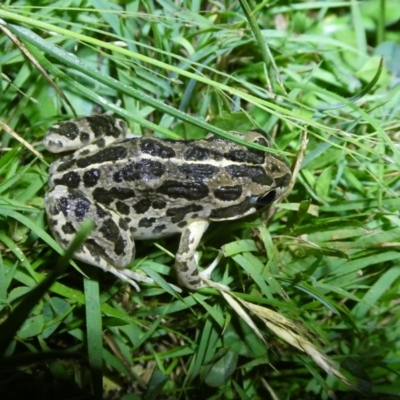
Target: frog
<point>147,188</point>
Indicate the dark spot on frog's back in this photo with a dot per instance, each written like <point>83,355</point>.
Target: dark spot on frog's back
<point>68,129</point>
<point>91,177</point>
<point>103,125</point>
<point>84,137</point>
<point>228,193</point>
<point>182,224</point>
<point>183,190</point>
<point>105,196</point>
<point>178,214</point>
<point>109,154</point>
<point>100,212</point>
<point>83,153</point>
<point>145,170</point>
<point>159,229</point>
<point>66,165</point>
<point>146,222</point>
<point>245,156</point>
<point>109,229</point>
<point>81,208</point>
<point>142,206</point>
<point>68,228</point>
<point>71,179</point>
<point>122,207</point>
<point>158,204</point>
<point>55,144</point>
<point>256,174</point>
<point>198,172</point>
<point>100,143</point>
<point>95,249</point>
<point>62,204</point>
<point>232,211</point>
<point>196,153</point>
<point>156,148</point>
<point>283,181</point>
<point>123,224</point>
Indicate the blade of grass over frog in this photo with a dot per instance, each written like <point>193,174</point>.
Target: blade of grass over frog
<point>262,45</point>
<point>99,99</point>
<point>19,314</point>
<point>94,332</point>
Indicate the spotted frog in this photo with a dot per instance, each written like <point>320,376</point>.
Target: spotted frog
<point>150,188</point>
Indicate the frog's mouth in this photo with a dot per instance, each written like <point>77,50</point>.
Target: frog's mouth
<point>250,205</point>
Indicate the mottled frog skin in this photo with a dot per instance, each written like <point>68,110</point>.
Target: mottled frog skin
<point>149,188</point>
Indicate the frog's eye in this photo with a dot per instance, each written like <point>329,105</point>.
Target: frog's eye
<point>267,199</point>
<point>263,141</point>
<point>258,136</point>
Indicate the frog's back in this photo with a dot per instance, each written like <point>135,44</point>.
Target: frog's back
<point>165,184</point>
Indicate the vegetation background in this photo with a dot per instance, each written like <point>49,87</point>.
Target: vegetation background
<point>329,258</point>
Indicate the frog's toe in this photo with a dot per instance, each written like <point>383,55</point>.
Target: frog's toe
<point>205,275</point>
<point>132,278</point>
<point>210,283</point>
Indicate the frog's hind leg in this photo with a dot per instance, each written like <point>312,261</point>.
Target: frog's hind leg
<point>186,262</point>
<point>109,246</point>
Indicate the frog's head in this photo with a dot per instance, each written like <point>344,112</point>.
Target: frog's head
<point>275,168</point>
<point>255,179</point>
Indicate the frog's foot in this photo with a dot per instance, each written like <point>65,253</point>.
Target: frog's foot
<point>186,260</point>
<point>125,274</point>
<point>205,275</point>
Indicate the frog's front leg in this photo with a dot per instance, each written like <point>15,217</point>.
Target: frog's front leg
<point>109,246</point>
<point>186,261</point>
